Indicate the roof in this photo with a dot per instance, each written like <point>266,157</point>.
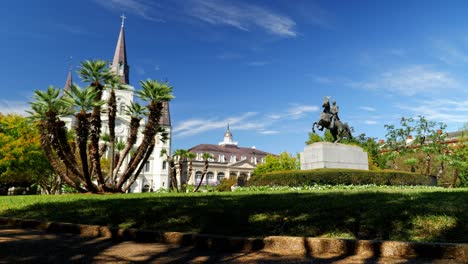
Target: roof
<point>120,56</point>
<point>68,82</point>
<point>229,150</point>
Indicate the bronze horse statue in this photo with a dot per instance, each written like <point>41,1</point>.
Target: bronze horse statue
<point>337,128</point>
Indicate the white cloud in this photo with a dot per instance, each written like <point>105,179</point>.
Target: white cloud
<point>137,7</point>
<point>247,121</point>
<point>197,126</point>
<point>323,80</point>
<point>269,132</point>
<point>368,108</point>
<point>409,81</point>
<point>441,110</point>
<point>14,107</point>
<point>370,122</point>
<point>244,17</point>
<point>449,53</point>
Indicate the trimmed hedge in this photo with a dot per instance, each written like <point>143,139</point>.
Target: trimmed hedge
<point>339,176</point>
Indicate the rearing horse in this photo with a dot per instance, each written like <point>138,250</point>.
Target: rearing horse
<point>338,131</point>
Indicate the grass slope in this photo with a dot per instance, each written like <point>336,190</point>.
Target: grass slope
<point>408,215</point>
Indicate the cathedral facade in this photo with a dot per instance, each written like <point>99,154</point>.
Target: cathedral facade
<point>155,174</point>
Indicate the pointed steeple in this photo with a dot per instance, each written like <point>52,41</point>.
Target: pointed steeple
<point>119,63</point>
<point>165,115</point>
<point>69,81</point>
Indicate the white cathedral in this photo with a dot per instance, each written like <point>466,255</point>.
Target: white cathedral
<point>155,174</point>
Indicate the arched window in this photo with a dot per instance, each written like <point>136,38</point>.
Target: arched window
<point>210,177</point>
<point>220,176</point>
<point>198,175</point>
<point>146,188</point>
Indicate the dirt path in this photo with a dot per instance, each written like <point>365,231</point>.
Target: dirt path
<point>33,246</point>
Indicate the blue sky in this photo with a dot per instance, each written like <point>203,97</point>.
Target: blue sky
<point>262,66</point>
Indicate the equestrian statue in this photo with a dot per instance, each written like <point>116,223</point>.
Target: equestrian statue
<point>329,119</point>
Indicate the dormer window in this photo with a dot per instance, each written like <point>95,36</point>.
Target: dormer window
<point>233,158</point>
<point>221,158</point>
<point>243,157</point>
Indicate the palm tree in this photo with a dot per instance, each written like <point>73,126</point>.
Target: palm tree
<point>112,85</point>
<point>136,113</point>
<point>119,145</point>
<point>84,100</point>
<point>155,93</point>
<point>47,109</point>
<point>97,74</point>
<point>179,155</point>
<point>206,157</point>
<point>190,156</point>
<point>171,169</point>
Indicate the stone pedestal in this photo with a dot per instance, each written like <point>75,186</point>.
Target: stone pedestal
<point>333,155</point>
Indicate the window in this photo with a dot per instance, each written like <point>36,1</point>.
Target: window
<point>164,165</point>
<point>210,177</point>
<point>198,175</point>
<point>233,158</point>
<point>147,166</point>
<point>253,160</point>
<point>199,156</point>
<point>243,157</point>
<point>220,176</point>
<point>221,158</point>
<point>122,109</point>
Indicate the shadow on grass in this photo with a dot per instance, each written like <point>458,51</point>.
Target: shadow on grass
<point>412,216</point>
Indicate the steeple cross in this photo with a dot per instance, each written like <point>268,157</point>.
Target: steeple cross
<point>123,19</point>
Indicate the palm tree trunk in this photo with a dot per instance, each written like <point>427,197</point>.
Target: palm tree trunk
<point>142,165</point>
<point>150,132</point>
<point>82,127</point>
<point>46,146</point>
<point>205,170</point>
<point>131,140</point>
<point>112,113</point>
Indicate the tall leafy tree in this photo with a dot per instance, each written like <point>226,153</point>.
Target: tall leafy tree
<point>283,162</point>
<point>22,161</point>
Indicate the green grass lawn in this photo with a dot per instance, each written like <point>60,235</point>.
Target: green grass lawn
<point>425,214</point>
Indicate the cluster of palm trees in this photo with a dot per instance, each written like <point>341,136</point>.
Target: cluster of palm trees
<point>183,159</point>
<point>77,159</point>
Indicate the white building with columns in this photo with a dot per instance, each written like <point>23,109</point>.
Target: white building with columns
<point>229,160</point>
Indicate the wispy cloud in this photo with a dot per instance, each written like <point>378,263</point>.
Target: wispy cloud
<point>140,8</point>
<point>242,16</point>
<point>410,81</point>
<point>368,108</point>
<point>229,56</point>
<point>247,121</point>
<point>441,110</point>
<point>14,107</point>
<point>269,132</point>
<point>450,53</point>
<point>197,126</point>
<point>370,122</point>
<point>322,79</point>
<point>139,70</point>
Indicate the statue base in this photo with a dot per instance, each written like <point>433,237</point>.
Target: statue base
<point>333,155</point>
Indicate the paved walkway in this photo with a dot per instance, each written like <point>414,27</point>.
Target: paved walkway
<point>33,246</point>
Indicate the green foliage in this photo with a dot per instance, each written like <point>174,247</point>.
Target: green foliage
<point>338,176</point>
<point>314,137</point>
<point>284,162</point>
<point>226,184</point>
<point>22,160</point>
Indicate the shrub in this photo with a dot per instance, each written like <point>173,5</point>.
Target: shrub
<point>337,177</point>
<point>226,184</point>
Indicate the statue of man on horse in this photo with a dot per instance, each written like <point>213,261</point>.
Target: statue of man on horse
<point>329,119</point>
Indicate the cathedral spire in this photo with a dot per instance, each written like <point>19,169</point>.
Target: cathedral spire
<point>69,81</point>
<point>119,63</point>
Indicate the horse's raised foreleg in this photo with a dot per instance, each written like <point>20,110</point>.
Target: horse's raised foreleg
<point>313,126</point>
